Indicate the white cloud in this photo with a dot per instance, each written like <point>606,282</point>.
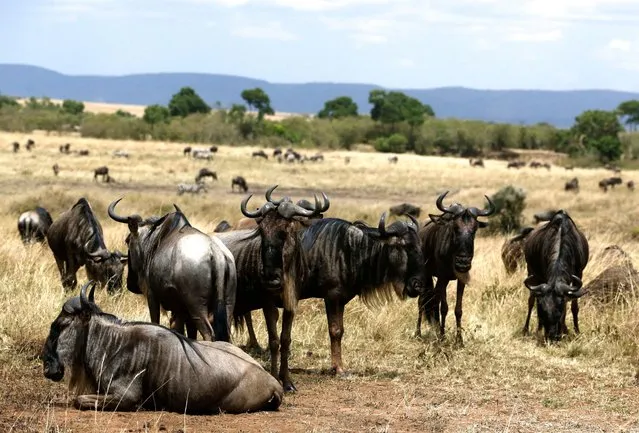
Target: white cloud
<point>620,45</point>
<point>621,54</point>
<point>269,30</point>
<point>406,63</point>
<point>532,36</point>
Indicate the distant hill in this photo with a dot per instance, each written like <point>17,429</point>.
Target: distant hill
<point>512,106</point>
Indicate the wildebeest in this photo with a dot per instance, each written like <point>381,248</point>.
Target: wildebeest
<point>476,162</point>
<point>317,157</point>
<point>65,148</point>
<point>277,152</point>
<point>544,215</point>
<point>240,182</point>
<point>556,255</point>
<point>347,160</point>
<point>545,165</point>
<point>56,169</point>
<point>405,209</point>
<point>569,167</point>
<point>34,224</point>
<point>187,150</point>
<point>181,269</point>
<point>16,146</point>
<point>213,149</point>
<point>119,365</point>
<point>572,185</point>
<point>393,159</point>
<point>535,164</point>
<point>609,182</point>
<point>190,188</point>
<point>76,239</point>
<point>512,252</point>
<point>223,226</point>
<point>448,246</point>
<point>612,168</point>
<point>631,185</point>
<point>516,164</point>
<point>259,154</point>
<point>83,152</point>
<point>101,171</point>
<point>120,154</point>
<point>30,144</point>
<point>205,172</point>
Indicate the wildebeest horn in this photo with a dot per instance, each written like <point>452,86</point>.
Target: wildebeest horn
<point>177,209</point>
<point>414,220</point>
<point>246,213</point>
<point>84,302</point>
<point>327,203</point>
<point>113,215</point>
<point>101,253</point>
<point>299,210</point>
<point>491,209</point>
<point>440,204</point>
<point>268,195</point>
<point>535,290</point>
<point>575,289</point>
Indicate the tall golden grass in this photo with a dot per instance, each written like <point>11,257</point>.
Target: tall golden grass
<point>378,344</point>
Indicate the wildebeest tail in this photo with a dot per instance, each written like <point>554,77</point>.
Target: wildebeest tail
<point>225,301</point>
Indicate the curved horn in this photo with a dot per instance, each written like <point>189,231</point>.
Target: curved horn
<point>84,302</point>
<point>491,208</point>
<point>245,212</point>
<point>101,253</point>
<point>299,210</point>
<point>382,225</point>
<point>177,209</point>
<point>114,216</point>
<point>440,204</point>
<point>414,220</point>
<point>327,203</point>
<point>268,195</point>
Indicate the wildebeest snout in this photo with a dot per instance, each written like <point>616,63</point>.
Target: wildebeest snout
<point>463,263</point>
<point>53,370</point>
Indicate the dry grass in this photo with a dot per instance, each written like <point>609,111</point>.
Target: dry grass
<point>499,381</point>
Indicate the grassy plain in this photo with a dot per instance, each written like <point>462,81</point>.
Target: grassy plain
<point>499,381</point>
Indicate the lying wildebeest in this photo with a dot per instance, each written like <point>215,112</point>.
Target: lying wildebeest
<point>406,209</point>
<point>631,185</point>
<point>476,162</point>
<point>181,269</point>
<point>263,257</point>
<point>84,152</point>
<point>34,224</point>
<point>512,252</point>
<point>393,159</point>
<point>116,365</point>
<point>259,154</point>
<point>65,148</point>
<point>121,154</point>
<point>30,144</point>
<point>223,226</point>
<point>101,171</point>
<point>448,247</point>
<point>190,188</point>
<point>556,255</point>
<point>213,149</point>
<point>516,164</point>
<point>16,146</point>
<point>76,239</point>
<point>205,172</point>
<point>56,169</point>
<point>187,150</point>
<point>240,182</point>
<point>572,185</point>
<point>544,215</point>
<point>618,282</point>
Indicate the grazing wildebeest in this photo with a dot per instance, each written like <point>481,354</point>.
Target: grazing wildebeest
<point>190,188</point>
<point>631,185</point>
<point>405,209</point>
<point>535,164</point>
<point>277,152</point>
<point>213,149</point>
<point>181,269</point>
<point>393,159</point>
<point>202,154</point>
<point>544,215</point>
<point>84,152</point>
<point>76,239</point>
<point>612,181</point>
<point>572,185</point>
<point>30,144</point>
<point>56,169</point>
<point>16,146</point>
<point>205,172</point>
<point>476,162</point>
<point>101,171</point>
<point>240,182</point>
<point>317,157</point>
<point>448,246</point>
<point>150,366</point>
<point>512,252</point>
<point>187,150</point>
<point>223,226</point>
<point>65,148</point>
<point>259,154</point>
<point>556,255</point>
<point>292,156</point>
<point>34,224</point>
<point>121,154</point>
<point>516,164</point>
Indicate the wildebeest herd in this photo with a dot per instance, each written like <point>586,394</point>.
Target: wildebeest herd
<point>211,282</point>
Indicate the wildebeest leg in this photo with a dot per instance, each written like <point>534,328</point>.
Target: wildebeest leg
<point>252,341</point>
<point>200,320</point>
<point>176,323</point>
<point>154,308</point>
<point>531,305</point>
<point>440,289</point>
<point>122,401</point>
<point>459,310</point>
<point>271,315</point>
<point>574,306</point>
<point>287,327</point>
<point>335,316</point>
<point>68,279</point>
<point>425,303</point>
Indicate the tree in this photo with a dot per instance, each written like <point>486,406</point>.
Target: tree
<point>72,107</point>
<point>122,113</point>
<point>154,114</point>
<point>599,130</point>
<point>237,112</point>
<point>395,107</point>
<point>257,99</point>
<point>629,110</point>
<point>186,102</point>
<point>337,108</point>
<point>7,101</point>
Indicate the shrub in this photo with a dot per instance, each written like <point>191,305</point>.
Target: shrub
<point>509,203</point>
<point>396,143</point>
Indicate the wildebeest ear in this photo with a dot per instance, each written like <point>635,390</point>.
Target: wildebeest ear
<point>482,224</point>
<point>435,218</point>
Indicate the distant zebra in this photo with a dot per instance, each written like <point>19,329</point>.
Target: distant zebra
<point>190,188</point>
<point>202,154</point>
<point>393,159</point>
<point>120,154</point>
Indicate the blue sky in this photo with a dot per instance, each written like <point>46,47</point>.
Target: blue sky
<point>488,44</point>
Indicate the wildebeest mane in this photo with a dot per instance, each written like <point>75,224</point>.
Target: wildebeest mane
<point>85,229</point>
<point>162,227</point>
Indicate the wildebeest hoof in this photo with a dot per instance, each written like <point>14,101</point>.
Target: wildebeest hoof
<point>289,387</point>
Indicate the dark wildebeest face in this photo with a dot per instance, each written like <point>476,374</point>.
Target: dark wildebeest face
<point>412,260</point>
<point>278,220</point>
<point>66,330</point>
<point>464,227</point>
<point>106,266</point>
<point>551,302</point>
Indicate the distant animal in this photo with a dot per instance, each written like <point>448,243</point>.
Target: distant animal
<point>612,168</point>
<point>65,148</point>
<point>609,182</point>
<point>618,282</point>
<point>259,154</point>
<point>205,172</point>
<point>120,154</point>
<point>191,377</point>
<point>240,182</point>
<point>190,188</point>
<point>187,150</point>
<point>277,152</point>
<point>34,224</point>
<point>516,164</point>
<point>556,255</point>
<point>406,209</point>
<point>545,165</point>
<point>223,226</point>
<point>291,156</point>
<point>202,154</point>
<point>512,251</point>
<point>317,157</point>
<point>16,146</point>
<point>476,162</point>
<point>448,247</point>
<point>83,152</point>
<point>213,149</point>
<point>30,144</point>
<point>631,185</point>
<point>56,169</point>
<point>569,167</point>
<point>76,239</point>
<point>347,160</point>
<point>101,171</point>
<point>393,159</point>
<point>544,215</point>
<point>182,270</point>
<point>535,164</point>
<point>572,185</point>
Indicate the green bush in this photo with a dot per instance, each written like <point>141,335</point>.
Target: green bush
<point>509,203</point>
<point>396,143</point>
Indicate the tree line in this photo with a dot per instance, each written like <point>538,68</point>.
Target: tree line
<point>396,123</point>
